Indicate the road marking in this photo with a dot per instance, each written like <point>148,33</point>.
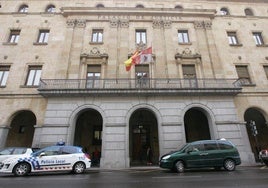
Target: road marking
<point>177,177</point>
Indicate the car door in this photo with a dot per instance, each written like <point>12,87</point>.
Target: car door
<point>193,155</point>
<point>46,159</point>
<point>211,154</point>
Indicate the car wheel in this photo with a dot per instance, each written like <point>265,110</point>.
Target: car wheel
<point>229,165</point>
<point>21,169</point>
<point>179,166</point>
<point>79,168</point>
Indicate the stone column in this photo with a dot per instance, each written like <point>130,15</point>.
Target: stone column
<point>76,43</point>
<point>3,135</point>
<point>204,49</point>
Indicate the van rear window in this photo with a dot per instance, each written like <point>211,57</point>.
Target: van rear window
<point>225,146</point>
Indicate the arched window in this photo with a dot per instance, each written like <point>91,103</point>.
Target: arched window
<point>139,6</point>
<point>224,11</point>
<point>100,6</point>
<point>178,7</point>
<point>248,12</point>
<point>50,8</point>
<point>23,8</point>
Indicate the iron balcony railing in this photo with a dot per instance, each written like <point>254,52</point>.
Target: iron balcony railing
<point>142,86</point>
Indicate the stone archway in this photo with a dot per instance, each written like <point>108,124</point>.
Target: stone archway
<point>21,129</point>
<point>260,140</point>
<point>196,125</point>
<point>143,133</point>
<point>88,133</point>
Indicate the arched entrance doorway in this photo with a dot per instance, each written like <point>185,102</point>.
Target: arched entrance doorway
<point>88,133</point>
<point>196,125</point>
<point>260,140</point>
<point>143,133</point>
<point>21,129</point>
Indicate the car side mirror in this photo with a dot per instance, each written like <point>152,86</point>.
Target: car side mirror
<point>42,154</point>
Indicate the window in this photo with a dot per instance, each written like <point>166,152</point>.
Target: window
<point>232,38</point>
<point>43,36</point>
<point>4,71</point>
<point>188,71</point>
<point>243,75</point>
<point>14,36</point>
<point>189,76</point>
<point>141,36</point>
<point>139,6</point>
<point>224,11</point>
<point>183,36</point>
<point>97,137</point>
<point>210,146</point>
<point>34,76</point>
<point>142,75</point>
<point>93,76</point>
<point>97,36</point>
<point>266,70</point>
<point>23,8</point>
<point>178,7</point>
<point>50,9</point>
<point>100,6</point>
<point>258,38</point>
<point>248,12</point>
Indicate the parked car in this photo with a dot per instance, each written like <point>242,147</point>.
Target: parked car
<point>15,151</point>
<point>264,156</point>
<point>204,153</point>
<point>52,158</point>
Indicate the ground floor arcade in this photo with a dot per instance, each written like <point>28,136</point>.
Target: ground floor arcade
<point>122,129</point>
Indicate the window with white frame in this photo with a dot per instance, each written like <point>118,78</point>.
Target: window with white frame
<point>23,8</point>
<point>34,75</point>
<point>224,11</point>
<point>43,36</point>
<point>183,36</point>
<point>4,72</point>
<point>232,38</point>
<point>97,36</point>
<point>14,36</point>
<point>50,9</point>
<point>258,38</point>
<point>141,36</point>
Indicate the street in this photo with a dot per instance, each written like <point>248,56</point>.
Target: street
<point>155,177</point>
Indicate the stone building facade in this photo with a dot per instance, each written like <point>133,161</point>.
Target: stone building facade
<point>63,77</point>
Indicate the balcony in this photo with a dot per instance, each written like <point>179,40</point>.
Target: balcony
<point>141,87</point>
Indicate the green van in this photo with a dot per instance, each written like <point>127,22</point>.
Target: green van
<point>203,153</point>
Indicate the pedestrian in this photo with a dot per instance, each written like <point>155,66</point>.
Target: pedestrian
<point>149,155</point>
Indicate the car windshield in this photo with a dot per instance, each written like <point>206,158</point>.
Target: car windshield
<point>12,151</point>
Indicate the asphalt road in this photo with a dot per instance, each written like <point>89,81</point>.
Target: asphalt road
<point>244,177</point>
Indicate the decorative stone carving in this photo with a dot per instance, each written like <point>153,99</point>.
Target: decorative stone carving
<point>114,23</point>
<point>94,54</point>
<point>71,23</point>
<point>187,54</point>
<point>157,24</point>
<point>81,23</point>
<point>202,24</point>
<point>198,25</point>
<point>124,23</point>
<point>207,24</point>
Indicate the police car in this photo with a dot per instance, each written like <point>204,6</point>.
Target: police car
<point>52,158</point>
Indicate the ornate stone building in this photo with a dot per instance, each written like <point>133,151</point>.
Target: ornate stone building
<point>62,75</point>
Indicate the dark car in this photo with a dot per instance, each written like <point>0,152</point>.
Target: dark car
<point>200,154</point>
<point>264,156</point>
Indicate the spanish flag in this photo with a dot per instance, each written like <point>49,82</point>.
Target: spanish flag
<point>130,61</point>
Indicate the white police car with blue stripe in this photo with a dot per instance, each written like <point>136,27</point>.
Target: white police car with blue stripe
<point>53,158</point>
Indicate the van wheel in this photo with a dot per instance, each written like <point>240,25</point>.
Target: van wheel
<point>229,165</point>
<point>179,166</point>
